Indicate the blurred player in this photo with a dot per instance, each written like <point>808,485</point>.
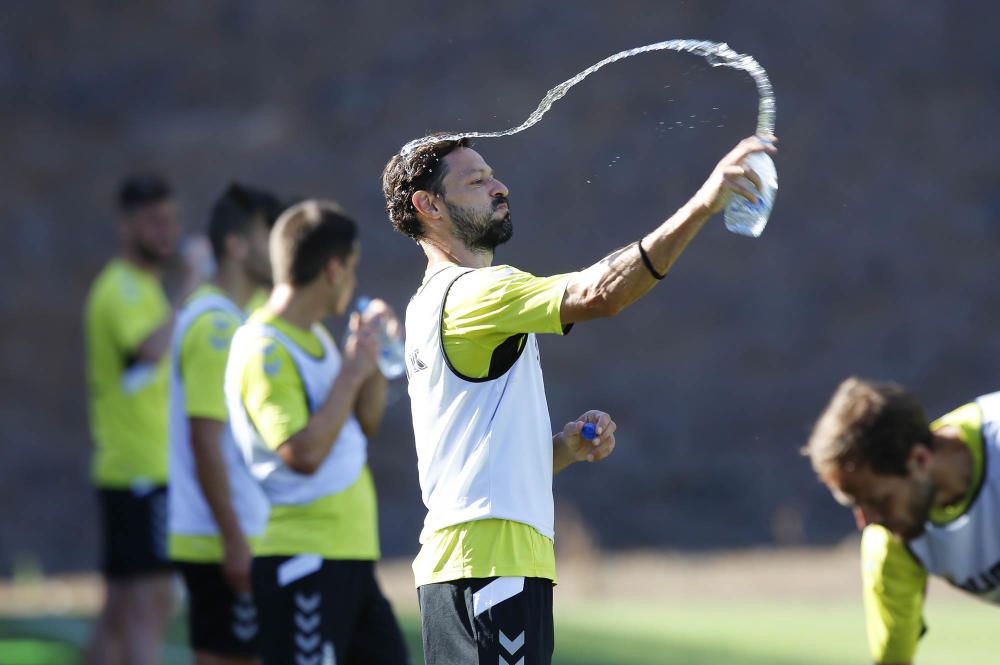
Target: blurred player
<point>128,322</point>
<point>486,454</point>
<point>214,502</point>
<point>301,414</point>
<point>927,496</point>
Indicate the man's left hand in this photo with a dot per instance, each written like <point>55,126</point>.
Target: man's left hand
<point>590,450</point>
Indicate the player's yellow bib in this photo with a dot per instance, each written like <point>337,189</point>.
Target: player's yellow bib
<point>128,398</point>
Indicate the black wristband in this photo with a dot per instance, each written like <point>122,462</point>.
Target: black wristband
<point>649,264</point>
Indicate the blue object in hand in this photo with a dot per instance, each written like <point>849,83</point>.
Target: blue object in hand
<point>589,431</point>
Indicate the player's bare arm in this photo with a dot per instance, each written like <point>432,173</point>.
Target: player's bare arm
<point>570,446</point>
<point>305,450</point>
<point>213,478</point>
<point>619,279</point>
<point>196,258</point>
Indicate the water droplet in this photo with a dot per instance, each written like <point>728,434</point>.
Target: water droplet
<point>588,182</point>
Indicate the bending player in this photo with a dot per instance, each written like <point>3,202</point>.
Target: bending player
<point>215,505</point>
<point>301,414</point>
<point>486,454</point>
<point>927,496</point>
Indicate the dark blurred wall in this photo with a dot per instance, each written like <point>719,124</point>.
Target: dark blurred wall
<point>879,258</point>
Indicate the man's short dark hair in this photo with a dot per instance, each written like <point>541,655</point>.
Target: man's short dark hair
<point>306,237</point>
<point>143,189</point>
<point>420,169</point>
<point>235,211</point>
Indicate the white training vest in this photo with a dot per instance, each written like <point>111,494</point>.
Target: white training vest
<point>484,447</point>
<point>189,513</point>
<point>966,551</point>
<point>346,460</point>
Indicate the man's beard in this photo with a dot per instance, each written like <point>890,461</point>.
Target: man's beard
<point>478,230</point>
<point>920,510</point>
<point>150,255</point>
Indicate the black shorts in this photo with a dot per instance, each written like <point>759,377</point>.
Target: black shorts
<point>315,611</point>
<point>220,622</point>
<point>505,620</point>
<point>135,532</point>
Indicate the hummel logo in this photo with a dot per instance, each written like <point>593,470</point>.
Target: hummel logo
<point>511,645</point>
<point>415,362</point>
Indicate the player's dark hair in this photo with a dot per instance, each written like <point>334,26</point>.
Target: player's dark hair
<point>236,210</point>
<point>306,237</point>
<point>142,189</point>
<point>868,424</point>
<point>420,169</point>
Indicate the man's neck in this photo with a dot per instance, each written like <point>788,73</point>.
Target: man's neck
<point>953,467</point>
<point>454,252</point>
<point>235,283</point>
<point>302,307</point>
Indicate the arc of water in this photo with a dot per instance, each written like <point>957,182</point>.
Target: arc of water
<point>718,54</point>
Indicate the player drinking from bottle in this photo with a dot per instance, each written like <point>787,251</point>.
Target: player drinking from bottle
<point>301,413</point>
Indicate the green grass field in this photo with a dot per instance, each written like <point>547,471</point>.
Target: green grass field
<point>699,633</point>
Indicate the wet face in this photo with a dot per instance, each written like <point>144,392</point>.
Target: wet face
<point>901,504</point>
<point>476,202</point>
<point>152,231</point>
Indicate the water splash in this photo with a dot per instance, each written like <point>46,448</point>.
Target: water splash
<point>718,54</point>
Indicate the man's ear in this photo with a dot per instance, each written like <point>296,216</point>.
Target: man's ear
<point>427,203</point>
<point>920,458</point>
<point>332,270</point>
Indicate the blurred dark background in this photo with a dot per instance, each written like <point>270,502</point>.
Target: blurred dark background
<point>880,257</point>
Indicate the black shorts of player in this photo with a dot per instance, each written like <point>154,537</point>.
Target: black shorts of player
<point>488,621</point>
<point>315,611</point>
<point>220,621</point>
<point>134,523</point>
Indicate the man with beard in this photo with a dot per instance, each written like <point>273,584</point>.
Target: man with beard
<point>486,454</point>
<point>215,504</point>
<point>927,497</point>
<point>128,323</point>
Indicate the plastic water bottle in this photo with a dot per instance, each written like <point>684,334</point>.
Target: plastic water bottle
<point>390,347</point>
<point>744,217</point>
